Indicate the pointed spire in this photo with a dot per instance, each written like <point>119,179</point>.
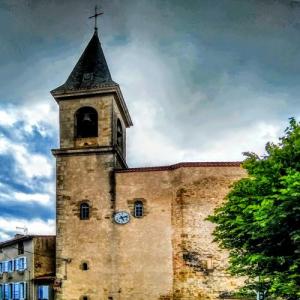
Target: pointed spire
<point>91,71</point>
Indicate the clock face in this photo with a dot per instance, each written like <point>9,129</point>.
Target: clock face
<point>121,217</point>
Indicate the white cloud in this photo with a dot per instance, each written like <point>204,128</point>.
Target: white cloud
<point>42,199</point>
<point>33,165</point>
<point>39,115</point>
<point>7,193</point>
<point>29,164</point>
<point>8,226</point>
<point>174,122</point>
<point>155,148</point>
<point>7,119</point>
<point>4,236</point>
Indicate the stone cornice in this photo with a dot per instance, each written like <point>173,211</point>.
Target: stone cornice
<point>91,150</point>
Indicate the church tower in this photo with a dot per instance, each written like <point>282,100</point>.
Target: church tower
<point>130,233</point>
<point>93,118</point>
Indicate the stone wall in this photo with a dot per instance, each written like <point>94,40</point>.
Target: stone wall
<point>44,260</point>
<point>143,266</point>
<point>84,173</point>
<point>67,110</point>
<point>199,265</point>
<point>84,178</point>
<point>169,253</point>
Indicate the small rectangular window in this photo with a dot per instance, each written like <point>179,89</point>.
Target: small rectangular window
<point>20,264</point>
<point>43,292</point>
<point>138,209</point>
<point>6,291</point>
<point>84,211</point>
<point>20,248</point>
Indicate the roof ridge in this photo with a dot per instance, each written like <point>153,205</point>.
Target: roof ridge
<point>23,238</point>
<point>180,165</point>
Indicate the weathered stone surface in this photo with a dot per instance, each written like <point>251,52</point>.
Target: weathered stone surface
<point>169,253</point>
<point>166,254</point>
<point>84,173</point>
<point>67,110</point>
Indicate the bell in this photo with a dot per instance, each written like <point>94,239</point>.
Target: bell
<point>86,118</point>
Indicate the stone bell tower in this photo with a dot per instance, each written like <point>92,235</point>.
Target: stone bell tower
<point>93,118</point>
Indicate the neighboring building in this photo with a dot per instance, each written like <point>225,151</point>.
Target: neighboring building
<point>27,268</point>
<point>128,233</point>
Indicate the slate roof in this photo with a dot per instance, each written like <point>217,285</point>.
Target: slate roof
<point>91,71</point>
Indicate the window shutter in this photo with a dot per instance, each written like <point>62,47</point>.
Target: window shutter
<point>5,266</point>
<point>25,290</point>
<point>10,291</point>
<point>21,285</point>
<point>43,292</point>
<point>40,291</point>
<point>10,265</point>
<point>46,292</point>
<point>20,262</point>
<point>6,296</point>
<point>25,263</point>
<point>17,291</point>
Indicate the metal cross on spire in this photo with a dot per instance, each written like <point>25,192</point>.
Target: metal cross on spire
<point>95,16</point>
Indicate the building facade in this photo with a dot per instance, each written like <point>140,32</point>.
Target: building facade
<point>129,233</point>
<point>27,268</point>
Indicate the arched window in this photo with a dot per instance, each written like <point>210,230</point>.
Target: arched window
<point>119,135</point>
<point>138,209</point>
<point>86,122</point>
<point>84,211</point>
<point>85,266</point>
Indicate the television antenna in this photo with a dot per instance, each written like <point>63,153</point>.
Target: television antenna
<point>25,229</point>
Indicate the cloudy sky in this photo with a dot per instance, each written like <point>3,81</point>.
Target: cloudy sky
<point>204,80</point>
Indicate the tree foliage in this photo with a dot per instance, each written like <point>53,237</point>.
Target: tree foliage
<point>259,223</point>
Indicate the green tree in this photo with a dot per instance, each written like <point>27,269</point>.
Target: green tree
<point>259,223</point>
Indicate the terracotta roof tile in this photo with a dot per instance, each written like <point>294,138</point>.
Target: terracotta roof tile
<point>182,165</point>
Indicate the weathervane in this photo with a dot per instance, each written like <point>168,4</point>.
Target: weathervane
<point>95,16</point>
